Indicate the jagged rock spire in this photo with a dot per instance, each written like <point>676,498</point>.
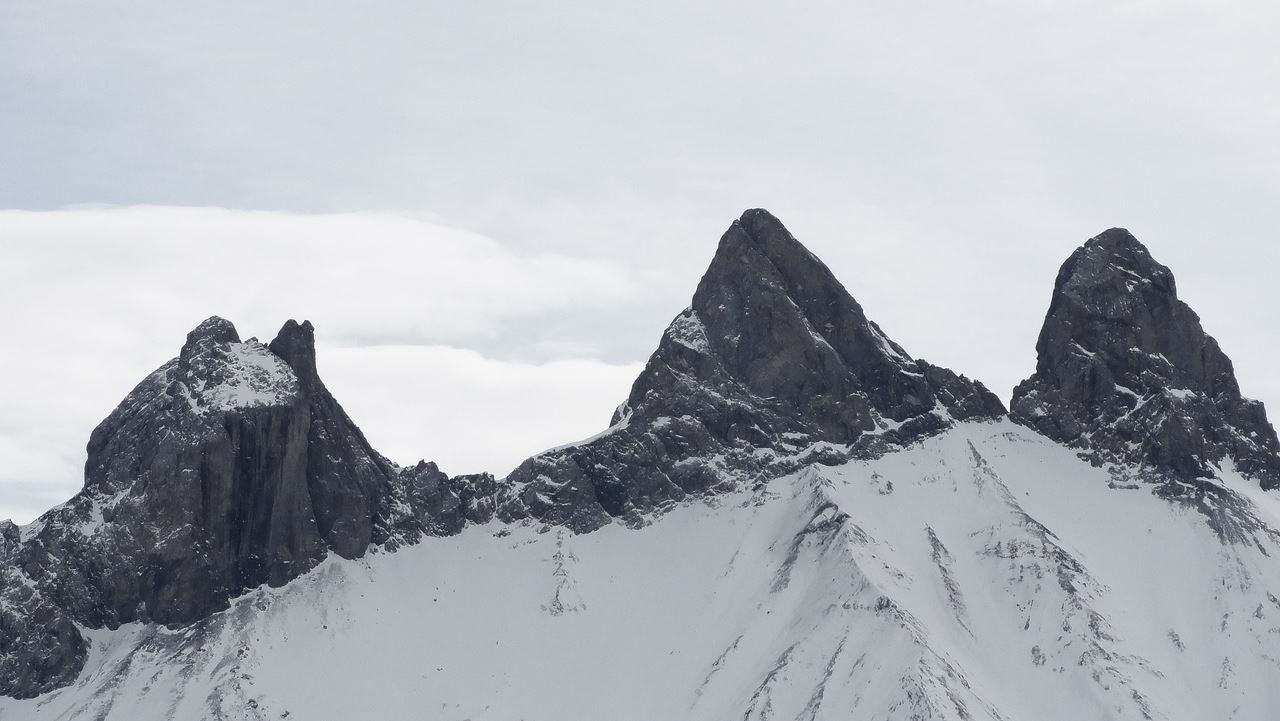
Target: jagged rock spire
<point>1125,372</point>
<point>296,345</point>
<point>228,467</point>
<point>772,366</point>
<point>348,481</point>
<point>213,330</point>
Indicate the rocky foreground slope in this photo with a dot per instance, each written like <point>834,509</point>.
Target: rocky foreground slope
<point>789,517</point>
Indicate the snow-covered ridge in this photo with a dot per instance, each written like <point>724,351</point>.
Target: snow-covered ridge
<point>984,574</point>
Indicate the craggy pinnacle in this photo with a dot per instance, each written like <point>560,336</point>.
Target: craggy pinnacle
<point>1125,373</point>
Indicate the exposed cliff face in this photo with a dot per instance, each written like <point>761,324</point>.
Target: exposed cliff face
<point>774,365</point>
<point>40,647</point>
<point>354,491</point>
<point>1126,374</point>
<point>199,479</point>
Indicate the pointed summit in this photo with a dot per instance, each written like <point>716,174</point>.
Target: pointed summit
<point>296,345</point>
<point>350,483</point>
<point>213,329</point>
<point>1125,372</point>
<point>783,326</point>
<point>773,354</point>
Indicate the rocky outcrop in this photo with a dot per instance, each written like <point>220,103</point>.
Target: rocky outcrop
<point>442,505</point>
<point>774,365</point>
<point>229,467</point>
<point>40,647</point>
<point>1126,374</point>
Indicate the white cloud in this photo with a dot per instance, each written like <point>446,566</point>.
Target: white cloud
<point>158,265</point>
<point>467,412</point>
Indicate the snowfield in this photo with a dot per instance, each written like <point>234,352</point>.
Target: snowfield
<point>985,573</point>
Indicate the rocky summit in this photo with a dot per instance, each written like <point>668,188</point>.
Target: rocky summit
<point>229,467</point>
<point>773,366</point>
<point>875,537</point>
<point>1126,374</point>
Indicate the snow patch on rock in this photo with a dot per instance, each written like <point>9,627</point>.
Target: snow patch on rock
<point>243,375</point>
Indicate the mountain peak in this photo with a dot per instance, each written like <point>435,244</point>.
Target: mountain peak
<point>772,355</point>
<point>228,467</point>
<point>759,242</point>
<point>1125,371</point>
<point>766,232</point>
<point>212,331</point>
<point>1115,258</point>
<point>781,325</point>
<point>1115,238</point>
<point>296,345</point>
<point>215,328</point>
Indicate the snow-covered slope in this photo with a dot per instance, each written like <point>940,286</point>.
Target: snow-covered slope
<point>984,573</point>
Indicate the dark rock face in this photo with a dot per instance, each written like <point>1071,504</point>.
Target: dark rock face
<point>354,490</point>
<point>229,467</point>
<point>1126,374</point>
<point>774,365</point>
<point>443,505</point>
<point>40,648</point>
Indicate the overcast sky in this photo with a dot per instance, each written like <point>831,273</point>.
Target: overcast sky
<point>491,210</point>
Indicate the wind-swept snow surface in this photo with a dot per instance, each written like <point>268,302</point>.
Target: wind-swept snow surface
<point>985,573</point>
